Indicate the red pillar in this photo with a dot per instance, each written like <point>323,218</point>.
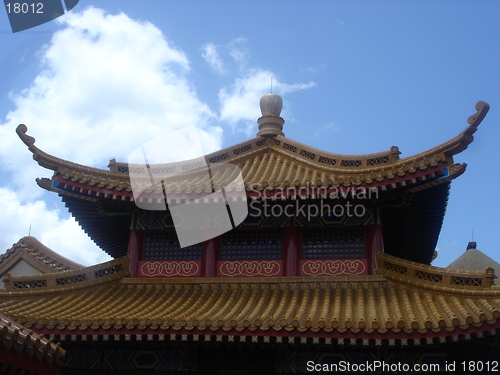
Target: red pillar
<point>209,256</point>
<point>135,244</point>
<point>375,245</point>
<point>291,250</point>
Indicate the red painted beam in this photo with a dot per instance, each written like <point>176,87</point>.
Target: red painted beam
<point>291,250</point>
<point>134,251</point>
<point>22,361</point>
<point>375,245</point>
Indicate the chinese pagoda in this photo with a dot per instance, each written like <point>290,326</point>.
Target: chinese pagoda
<point>330,263</point>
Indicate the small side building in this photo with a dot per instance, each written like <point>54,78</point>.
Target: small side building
<point>30,257</point>
<point>475,260</point>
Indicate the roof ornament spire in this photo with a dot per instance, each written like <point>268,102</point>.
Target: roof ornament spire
<point>270,124</point>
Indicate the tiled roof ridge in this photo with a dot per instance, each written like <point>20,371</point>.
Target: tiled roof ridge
<point>369,307</point>
<point>21,339</point>
<point>382,303</point>
<point>330,162</point>
<point>426,277</point>
<point>66,281</point>
<point>30,245</point>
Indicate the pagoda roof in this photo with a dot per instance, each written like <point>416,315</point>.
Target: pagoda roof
<point>103,201</point>
<point>37,255</point>
<point>41,355</point>
<point>406,300</point>
<point>268,163</point>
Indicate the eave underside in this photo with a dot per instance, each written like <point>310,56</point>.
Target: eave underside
<point>412,232</point>
<point>110,233</point>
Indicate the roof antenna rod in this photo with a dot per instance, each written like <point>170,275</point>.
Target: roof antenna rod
<point>29,231</point>
<point>271,84</point>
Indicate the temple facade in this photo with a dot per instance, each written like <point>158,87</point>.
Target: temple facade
<point>266,257</point>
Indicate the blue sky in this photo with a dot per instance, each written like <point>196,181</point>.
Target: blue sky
<point>356,77</point>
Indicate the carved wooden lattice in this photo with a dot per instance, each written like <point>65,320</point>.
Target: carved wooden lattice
<point>218,158</point>
<point>163,170</point>
<point>467,281</point>
<point>189,167</point>
<point>327,242</point>
<point>108,271</point>
<point>160,245</point>
<point>329,161</point>
<point>242,149</point>
<point>29,284</point>
<point>71,279</point>
<point>307,154</point>
<point>287,146</point>
<point>251,244</point>
<point>351,163</point>
<point>396,268</point>
<point>380,160</point>
<point>436,278</point>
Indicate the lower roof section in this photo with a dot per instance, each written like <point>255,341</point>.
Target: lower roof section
<point>406,301</point>
<point>24,350</point>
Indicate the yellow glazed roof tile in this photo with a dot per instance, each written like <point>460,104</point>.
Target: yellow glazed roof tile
<point>21,339</point>
<point>400,300</point>
<point>266,305</point>
<point>267,163</point>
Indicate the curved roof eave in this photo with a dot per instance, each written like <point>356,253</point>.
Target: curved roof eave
<point>321,160</point>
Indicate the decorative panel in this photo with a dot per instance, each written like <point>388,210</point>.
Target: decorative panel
<point>330,267</point>
<point>128,360</point>
<point>172,268</point>
<point>250,268</point>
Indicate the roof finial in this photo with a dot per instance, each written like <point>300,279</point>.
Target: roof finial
<point>271,84</point>
<point>472,244</point>
<point>270,124</point>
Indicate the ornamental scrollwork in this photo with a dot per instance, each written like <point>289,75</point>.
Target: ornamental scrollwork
<point>170,269</point>
<point>250,268</point>
<point>333,267</point>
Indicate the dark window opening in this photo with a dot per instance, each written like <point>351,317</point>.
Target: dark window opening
<point>328,242</point>
<point>251,244</point>
<point>161,245</point>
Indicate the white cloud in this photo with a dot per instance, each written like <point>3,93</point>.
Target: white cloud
<point>213,58</point>
<point>328,128</point>
<point>107,84</point>
<point>240,102</point>
<point>239,51</point>
<point>61,235</point>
